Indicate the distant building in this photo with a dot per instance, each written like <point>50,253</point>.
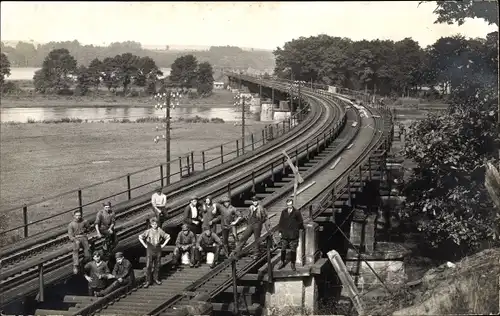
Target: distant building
<point>218,85</point>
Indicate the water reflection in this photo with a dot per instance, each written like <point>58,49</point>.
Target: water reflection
<point>109,113</point>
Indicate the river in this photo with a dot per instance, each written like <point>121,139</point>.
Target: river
<point>110,113</point>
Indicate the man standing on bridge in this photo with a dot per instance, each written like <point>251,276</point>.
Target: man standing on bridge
<point>186,242</point>
<point>207,242</point>
<point>151,240</point>
<point>210,210</point>
<point>229,218</point>
<point>290,224</point>
<point>193,216</point>
<point>105,227</point>
<point>256,218</point>
<point>159,203</point>
<point>77,233</point>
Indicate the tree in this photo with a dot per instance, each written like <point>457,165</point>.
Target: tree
<point>184,71</point>
<point>95,72</point>
<point>205,80</point>
<point>126,68</point>
<point>447,193</point>
<point>109,74</point>
<point>457,11</point>
<point>4,68</point>
<point>56,72</point>
<point>147,73</point>
<point>84,80</point>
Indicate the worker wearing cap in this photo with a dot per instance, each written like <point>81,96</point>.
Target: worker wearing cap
<point>193,216</point>
<point>105,227</point>
<point>208,241</point>
<point>96,273</point>
<point>229,217</point>
<point>159,204</point>
<point>210,211</point>
<point>257,216</point>
<point>185,242</point>
<point>123,273</point>
<point>151,240</point>
<point>290,224</point>
<point>77,233</point>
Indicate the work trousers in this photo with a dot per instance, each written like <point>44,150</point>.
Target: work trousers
<point>178,251</point>
<point>159,217</point>
<point>93,290</point>
<point>255,230</point>
<point>199,255</point>
<point>225,235</point>
<point>116,285</point>
<point>153,261</point>
<point>109,242</point>
<point>289,244</point>
<point>82,242</point>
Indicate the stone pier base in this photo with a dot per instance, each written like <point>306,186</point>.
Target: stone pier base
<point>294,292</point>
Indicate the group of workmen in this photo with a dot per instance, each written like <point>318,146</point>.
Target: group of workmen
<point>197,238</point>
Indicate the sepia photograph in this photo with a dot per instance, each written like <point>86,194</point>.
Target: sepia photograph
<point>190,158</point>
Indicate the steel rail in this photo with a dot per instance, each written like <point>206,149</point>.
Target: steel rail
<point>218,269</point>
<point>311,147</point>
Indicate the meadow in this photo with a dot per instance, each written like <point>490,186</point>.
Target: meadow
<point>42,160</point>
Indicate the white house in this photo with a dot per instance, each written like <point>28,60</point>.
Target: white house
<point>218,85</point>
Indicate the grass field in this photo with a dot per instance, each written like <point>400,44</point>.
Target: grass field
<point>42,160</point>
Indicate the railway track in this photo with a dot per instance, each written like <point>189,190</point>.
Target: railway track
<point>170,297</point>
<point>20,278</point>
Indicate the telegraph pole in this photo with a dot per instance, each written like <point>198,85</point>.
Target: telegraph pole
<point>242,99</point>
<point>167,103</point>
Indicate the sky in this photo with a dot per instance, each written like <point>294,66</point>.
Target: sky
<point>264,25</point>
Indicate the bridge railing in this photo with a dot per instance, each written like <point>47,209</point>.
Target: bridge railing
<point>38,217</point>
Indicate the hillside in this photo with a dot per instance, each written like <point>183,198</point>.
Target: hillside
<point>26,54</point>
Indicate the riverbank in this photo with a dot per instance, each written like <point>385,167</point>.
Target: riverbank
<point>42,160</point>
<point>219,98</point>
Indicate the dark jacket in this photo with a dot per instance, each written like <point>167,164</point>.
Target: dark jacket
<point>124,270</point>
<point>290,224</point>
<point>188,219</point>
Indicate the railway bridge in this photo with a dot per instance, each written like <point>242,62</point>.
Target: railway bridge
<point>340,150</point>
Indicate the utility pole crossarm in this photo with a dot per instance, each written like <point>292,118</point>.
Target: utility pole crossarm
<point>295,170</point>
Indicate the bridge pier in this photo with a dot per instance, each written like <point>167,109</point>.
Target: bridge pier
<point>296,292</point>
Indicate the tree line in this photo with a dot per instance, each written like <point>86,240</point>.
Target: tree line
<point>60,72</point>
<point>384,67</point>
<point>26,54</point>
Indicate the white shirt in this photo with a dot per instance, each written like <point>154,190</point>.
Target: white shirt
<point>159,200</point>
<point>194,211</point>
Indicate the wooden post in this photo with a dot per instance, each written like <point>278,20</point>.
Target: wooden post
<point>41,283</point>
<point>80,201</point>
<point>192,162</point>
<point>221,154</point>
<point>264,136</point>
<point>188,165</point>
<point>229,189</point>
<point>161,176</point>
<point>370,168</point>
<point>235,286</point>
<point>269,259</point>
<point>237,148</point>
<point>203,159</point>
<point>317,145</point>
<point>253,143</point>
<point>272,171</point>
<point>25,220</point>
<point>180,167</point>
<point>253,181</point>
<point>349,189</point>
<point>128,187</point>
<point>307,151</point>
<point>360,174</point>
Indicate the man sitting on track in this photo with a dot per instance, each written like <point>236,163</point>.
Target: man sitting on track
<point>77,233</point>
<point>96,273</point>
<point>123,273</point>
<point>105,227</point>
<point>208,242</point>
<point>186,242</point>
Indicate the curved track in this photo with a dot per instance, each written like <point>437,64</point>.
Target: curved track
<point>19,275</point>
<point>175,294</point>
